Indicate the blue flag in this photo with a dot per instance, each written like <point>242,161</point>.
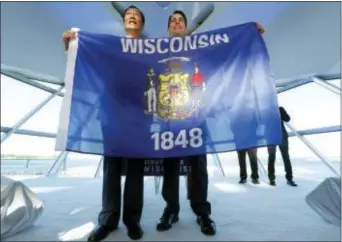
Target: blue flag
<point>169,97</point>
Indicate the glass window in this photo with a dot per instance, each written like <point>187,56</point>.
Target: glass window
<point>304,162</point>
<point>328,144</point>
<point>47,118</point>
<point>297,150</point>
<point>18,99</point>
<point>336,82</point>
<point>81,165</point>
<point>311,106</point>
<point>24,145</point>
<point>22,154</point>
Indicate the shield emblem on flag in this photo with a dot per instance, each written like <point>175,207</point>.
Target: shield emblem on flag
<point>173,92</point>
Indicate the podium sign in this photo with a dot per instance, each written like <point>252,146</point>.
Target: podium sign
<point>155,167</point>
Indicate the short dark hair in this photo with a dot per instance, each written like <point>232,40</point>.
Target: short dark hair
<point>180,13</point>
<point>141,13</point>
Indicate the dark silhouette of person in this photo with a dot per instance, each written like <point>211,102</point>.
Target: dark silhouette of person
<point>284,150</point>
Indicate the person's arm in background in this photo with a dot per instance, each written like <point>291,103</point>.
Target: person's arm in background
<point>284,115</point>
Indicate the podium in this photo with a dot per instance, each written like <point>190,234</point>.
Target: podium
<point>154,167</point>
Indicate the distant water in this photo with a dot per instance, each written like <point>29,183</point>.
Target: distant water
<point>25,166</point>
<point>81,165</point>
<point>38,167</point>
<point>18,163</point>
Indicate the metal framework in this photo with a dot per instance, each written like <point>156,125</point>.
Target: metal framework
<point>327,85</point>
<point>29,78</point>
<point>29,115</point>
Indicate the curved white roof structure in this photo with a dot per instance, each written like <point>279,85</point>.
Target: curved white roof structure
<point>304,42</point>
<point>303,38</point>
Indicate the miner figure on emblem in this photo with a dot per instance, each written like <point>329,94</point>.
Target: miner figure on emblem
<point>151,92</point>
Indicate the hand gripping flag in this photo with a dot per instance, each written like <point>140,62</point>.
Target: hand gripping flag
<point>169,97</point>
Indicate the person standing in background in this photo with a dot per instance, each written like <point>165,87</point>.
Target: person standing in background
<point>253,159</point>
<point>284,150</point>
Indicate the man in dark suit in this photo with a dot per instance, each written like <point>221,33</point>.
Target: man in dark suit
<point>177,26</point>
<point>284,150</point>
<point>109,216</point>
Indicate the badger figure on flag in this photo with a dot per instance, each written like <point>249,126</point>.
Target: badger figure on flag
<point>197,87</point>
<point>151,92</point>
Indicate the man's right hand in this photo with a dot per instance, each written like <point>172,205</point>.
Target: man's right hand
<point>260,28</point>
<point>67,36</point>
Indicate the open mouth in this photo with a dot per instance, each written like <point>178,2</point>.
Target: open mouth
<point>132,21</point>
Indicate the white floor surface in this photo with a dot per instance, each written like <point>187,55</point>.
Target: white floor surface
<point>242,212</point>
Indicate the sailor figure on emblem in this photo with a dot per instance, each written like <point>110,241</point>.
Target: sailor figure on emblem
<point>151,92</point>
